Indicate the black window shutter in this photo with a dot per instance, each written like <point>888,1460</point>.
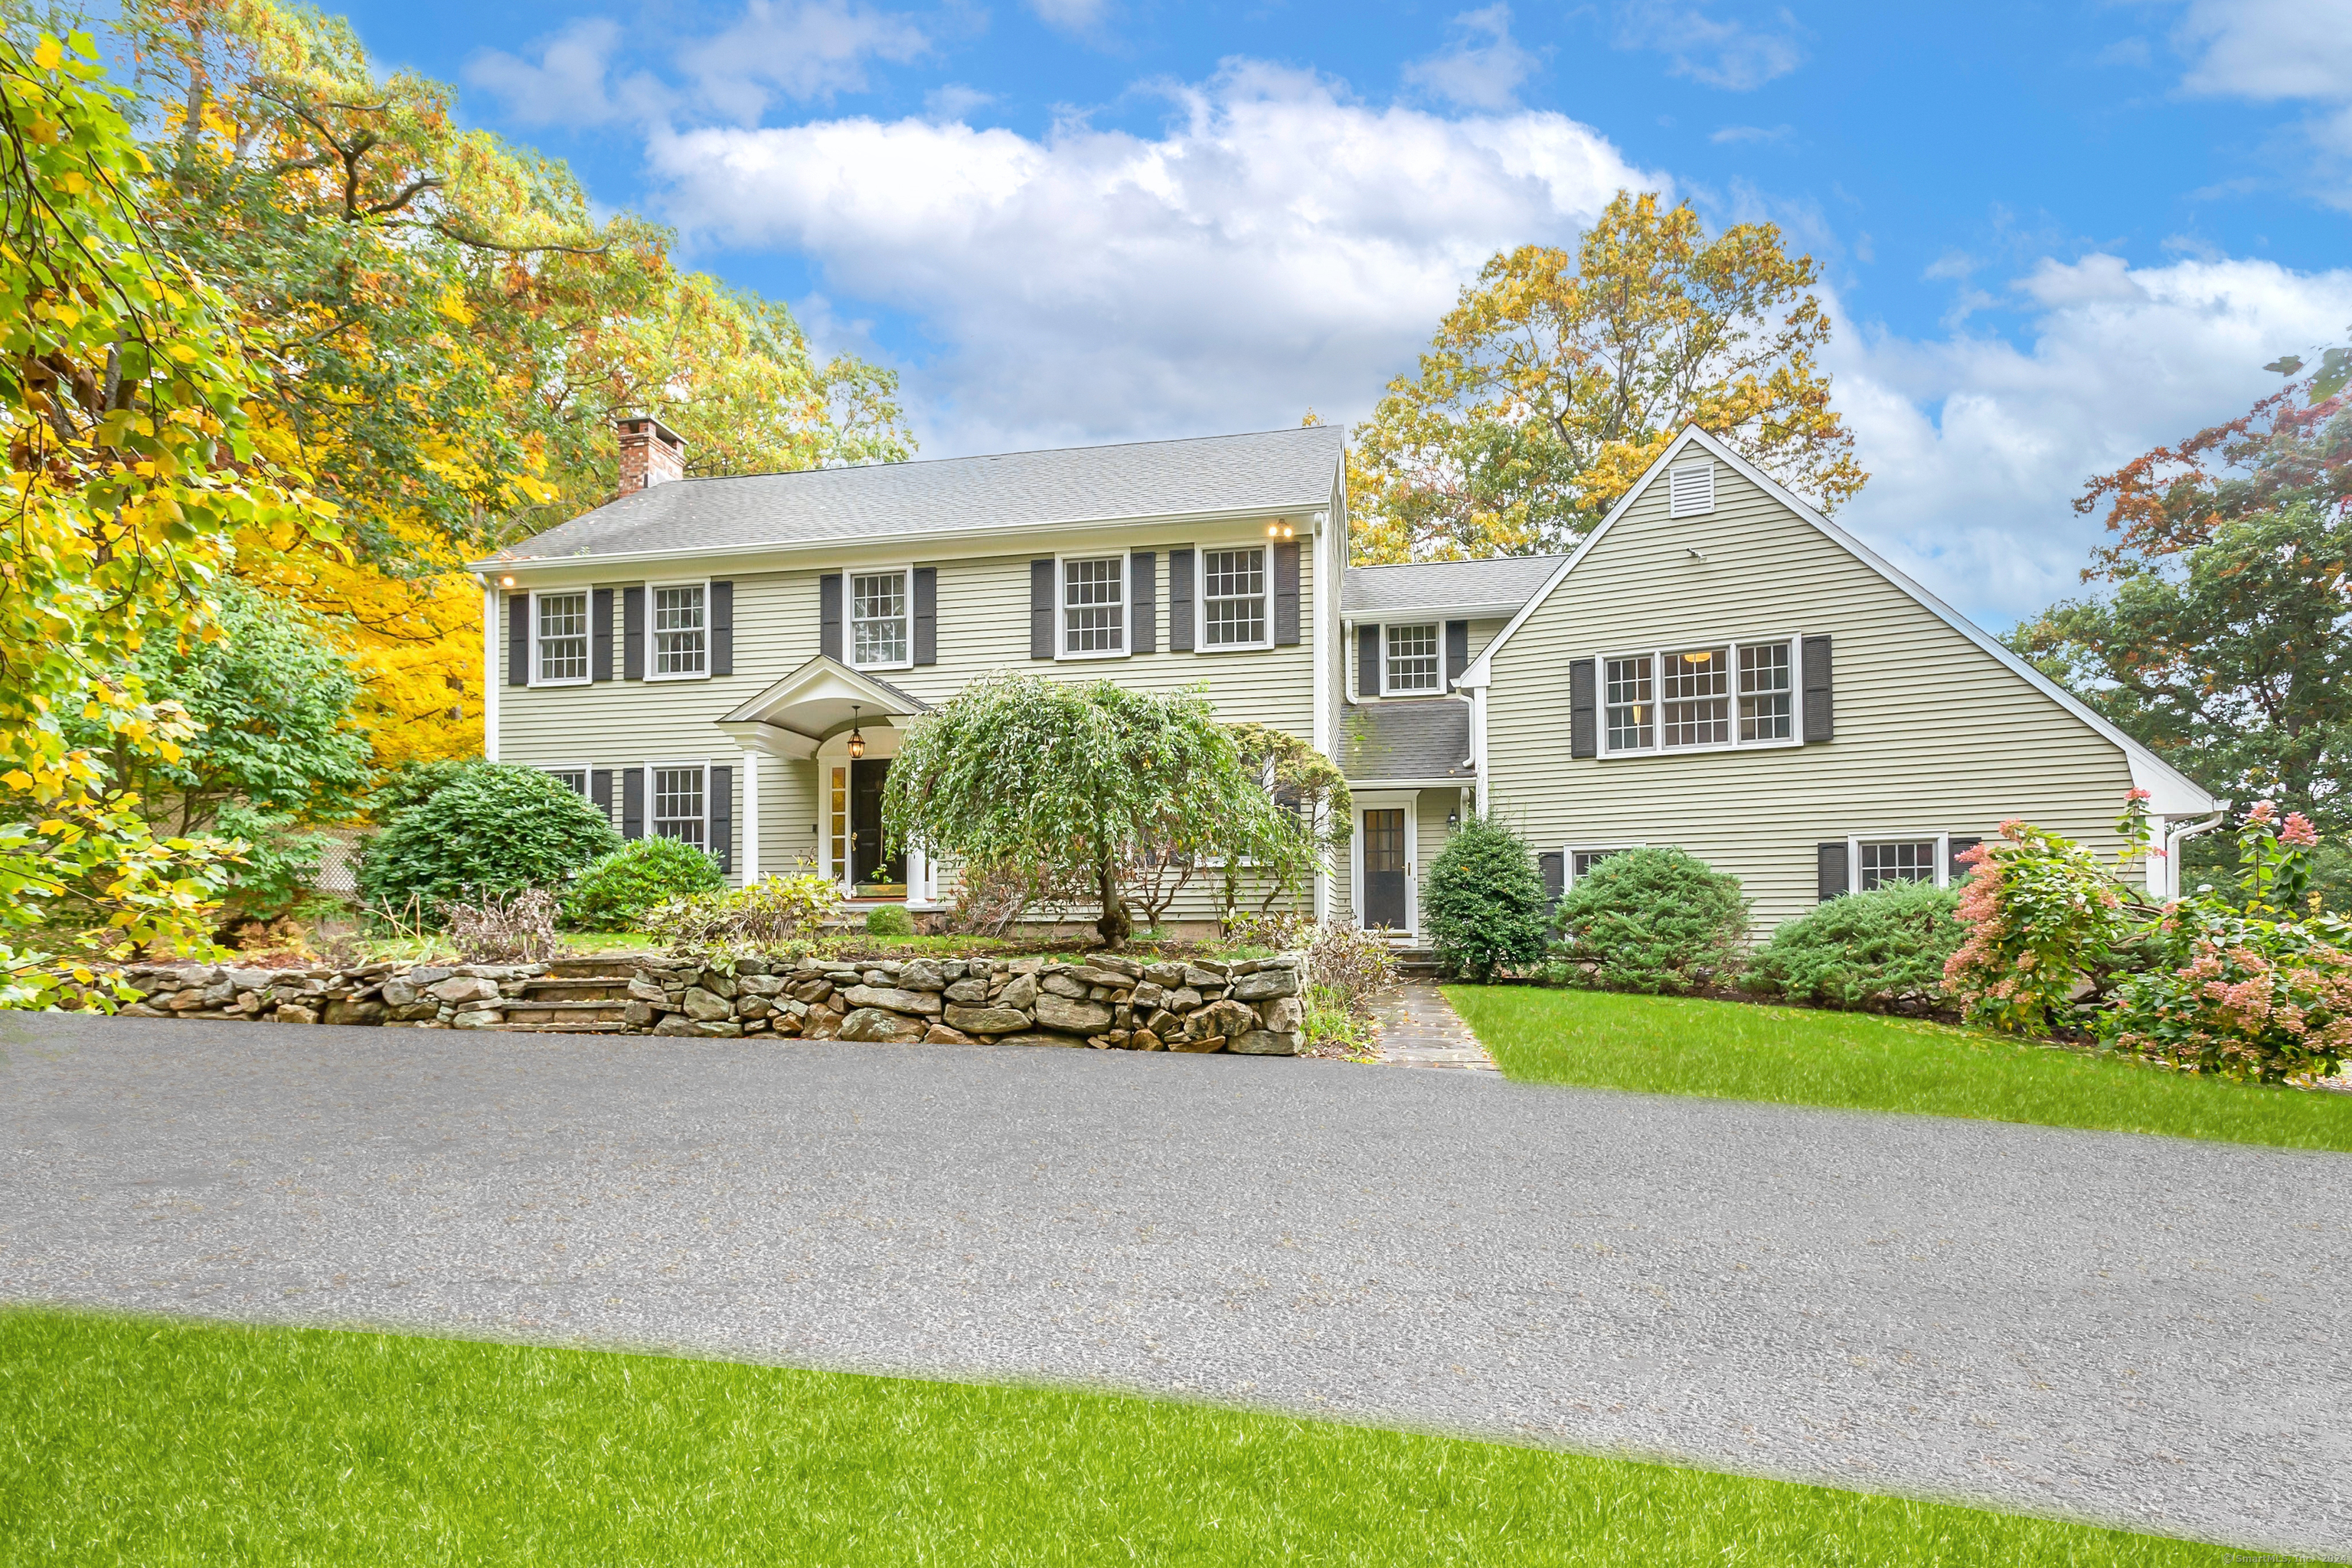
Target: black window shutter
<point>1820,715</point>
<point>1285,595</point>
<point>632,799</point>
<point>1041,609</point>
<point>927,614</point>
<point>518,639</point>
<point>828,614</point>
<point>633,634</point>
<point>600,791</point>
<point>721,811</point>
<point>1368,661</point>
<point>722,628</point>
<point>600,637</point>
<point>1179,601</point>
<point>1143,602</point>
<point>1457,651</point>
<point>1554,867</point>
<point>1953,872</point>
<point>1830,861</point>
<point>1583,718</point>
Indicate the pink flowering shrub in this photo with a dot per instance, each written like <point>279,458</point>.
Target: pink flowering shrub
<point>2239,995</point>
<point>2045,922</point>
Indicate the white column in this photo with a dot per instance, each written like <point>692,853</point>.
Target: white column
<point>489,670</point>
<point>918,875</point>
<point>750,817</point>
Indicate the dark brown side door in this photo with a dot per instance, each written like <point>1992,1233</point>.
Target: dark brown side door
<point>867,865</point>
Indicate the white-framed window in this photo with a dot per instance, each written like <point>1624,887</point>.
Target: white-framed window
<point>1886,860</point>
<point>1409,664</point>
<point>881,620</point>
<point>681,630</point>
<point>1232,597</point>
<point>1690,489</point>
<point>1583,857</point>
<point>559,634</point>
<point>680,802</point>
<point>1094,606</point>
<point>1700,696</point>
<point>572,778</point>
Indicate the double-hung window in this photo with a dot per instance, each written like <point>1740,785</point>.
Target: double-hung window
<point>1699,698</point>
<point>1412,666</point>
<point>880,635</point>
<point>563,635</point>
<point>1884,863</point>
<point>678,805</point>
<point>573,779</point>
<point>681,640</point>
<point>1232,597</point>
<point>1094,606</point>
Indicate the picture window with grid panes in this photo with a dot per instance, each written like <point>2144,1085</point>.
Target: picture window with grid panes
<point>678,804</point>
<point>1886,863</point>
<point>1232,597</point>
<point>878,633</point>
<point>680,646</point>
<point>1700,698</point>
<point>1412,660</point>
<point>1094,606</point>
<point>562,637</point>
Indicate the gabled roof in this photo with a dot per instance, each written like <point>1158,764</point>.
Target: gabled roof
<point>1272,472</point>
<point>2173,793</point>
<point>1478,589</point>
<point>1420,739</point>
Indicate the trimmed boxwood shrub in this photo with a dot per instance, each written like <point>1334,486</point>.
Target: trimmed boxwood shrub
<point>1482,907</point>
<point>889,920</point>
<point>617,890</point>
<point>1883,951</point>
<point>1651,919</point>
<point>498,829</point>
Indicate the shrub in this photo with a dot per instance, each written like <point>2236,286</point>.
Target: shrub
<point>1483,904</point>
<point>1884,951</point>
<point>772,912</point>
<point>1345,966</point>
<point>503,928</point>
<point>617,890</point>
<point>281,861</point>
<point>990,899</point>
<point>494,829</point>
<point>889,920</point>
<point>2240,996</point>
<point>1651,919</point>
<point>2043,920</point>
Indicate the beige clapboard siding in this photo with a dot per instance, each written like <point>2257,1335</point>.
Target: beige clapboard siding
<point>1934,734</point>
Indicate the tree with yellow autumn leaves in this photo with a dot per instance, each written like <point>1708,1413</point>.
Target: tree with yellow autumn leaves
<point>1558,377</point>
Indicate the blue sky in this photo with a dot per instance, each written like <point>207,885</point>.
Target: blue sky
<point>2052,235</point>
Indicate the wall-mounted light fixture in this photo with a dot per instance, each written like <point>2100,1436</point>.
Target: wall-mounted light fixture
<point>1279,530</point>
<point>857,736</point>
<point>506,582</point>
<point>1453,820</point>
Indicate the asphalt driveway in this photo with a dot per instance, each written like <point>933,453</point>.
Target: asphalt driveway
<point>2141,1330</point>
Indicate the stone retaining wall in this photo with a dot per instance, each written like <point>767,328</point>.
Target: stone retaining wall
<point>1106,1001</point>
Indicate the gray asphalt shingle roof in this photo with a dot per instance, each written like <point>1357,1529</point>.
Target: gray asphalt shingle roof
<point>1509,580</point>
<point>1272,470</point>
<point>1420,738</point>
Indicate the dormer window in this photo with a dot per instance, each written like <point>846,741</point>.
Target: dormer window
<point>1410,660</point>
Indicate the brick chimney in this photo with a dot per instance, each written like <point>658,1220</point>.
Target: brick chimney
<point>651,454</point>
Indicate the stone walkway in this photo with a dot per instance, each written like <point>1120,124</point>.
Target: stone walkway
<point>1420,1030</point>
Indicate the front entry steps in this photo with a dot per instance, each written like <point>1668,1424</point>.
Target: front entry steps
<point>1415,962</point>
<point>572,998</point>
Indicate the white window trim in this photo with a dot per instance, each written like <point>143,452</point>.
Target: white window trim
<point>1061,650</point>
<point>1200,643</point>
<point>652,656</point>
<point>849,577</point>
<point>1796,737</point>
<point>1436,690</point>
<point>1569,852</point>
<point>588,598</point>
<point>1854,841</point>
<point>651,831</point>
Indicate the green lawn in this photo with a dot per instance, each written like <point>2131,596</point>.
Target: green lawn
<point>1733,1050</point>
<point>126,1440</point>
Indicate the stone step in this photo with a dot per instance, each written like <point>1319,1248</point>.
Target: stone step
<point>586,988</point>
<point>597,966</point>
<point>536,1012</point>
<point>574,1026</point>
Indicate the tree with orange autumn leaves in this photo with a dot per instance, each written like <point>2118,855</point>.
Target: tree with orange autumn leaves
<point>1558,377</point>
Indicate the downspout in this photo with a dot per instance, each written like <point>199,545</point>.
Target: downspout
<point>490,667</point>
<point>2176,836</point>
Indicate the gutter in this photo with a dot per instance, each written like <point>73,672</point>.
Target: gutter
<point>2176,836</point>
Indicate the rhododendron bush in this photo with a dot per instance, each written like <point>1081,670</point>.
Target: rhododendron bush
<point>2258,988</point>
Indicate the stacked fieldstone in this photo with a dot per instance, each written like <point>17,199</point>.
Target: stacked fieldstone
<point>1106,1001</point>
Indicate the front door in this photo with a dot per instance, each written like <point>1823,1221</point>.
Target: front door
<point>868,866</point>
<point>1385,902</point>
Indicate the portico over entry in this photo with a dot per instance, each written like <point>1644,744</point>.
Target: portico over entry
<point>842,725</point>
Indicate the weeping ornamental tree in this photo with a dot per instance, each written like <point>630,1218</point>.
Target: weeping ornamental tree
<point>1068,783</point>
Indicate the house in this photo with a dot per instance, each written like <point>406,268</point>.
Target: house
<point>732,661</point>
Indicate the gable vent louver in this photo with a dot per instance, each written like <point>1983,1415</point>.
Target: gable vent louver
<point>1690,489</point>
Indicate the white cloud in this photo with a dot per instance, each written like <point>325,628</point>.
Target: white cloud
<point>567,86</point>
<point>1725,54</point>
<point>807,51</point>
<point>1477,75</point>
<point>1071,15</point>
<point>2270,49</point>
<point>1732,134</point>
<point>1278,245</point>
<point>955,101</point>
<point>1976,446</point>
